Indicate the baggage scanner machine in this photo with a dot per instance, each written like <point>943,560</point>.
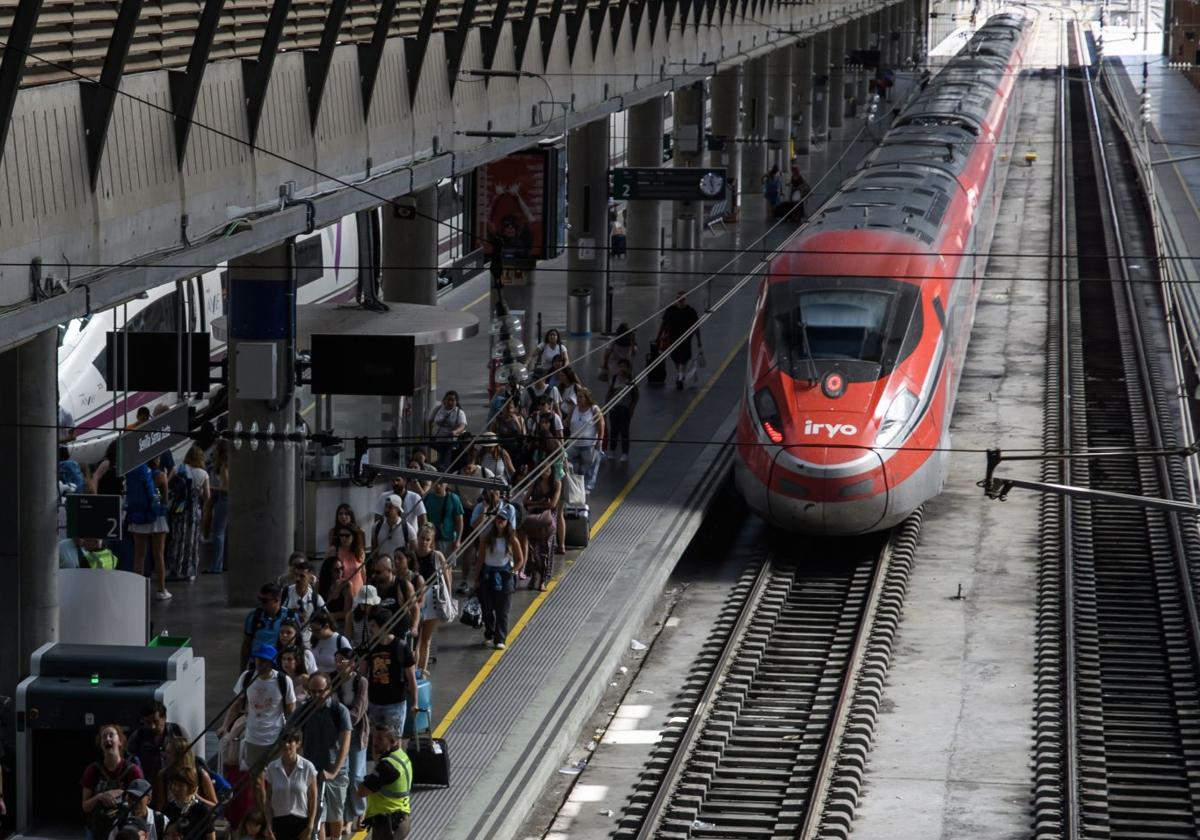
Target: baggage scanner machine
<point>73,690</point>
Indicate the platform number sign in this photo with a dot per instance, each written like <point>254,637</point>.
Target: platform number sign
<point>93,517</point>
<point>632,183</point>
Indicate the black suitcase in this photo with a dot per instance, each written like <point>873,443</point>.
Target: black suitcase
<point>656,365</point>
<point>430,760</point>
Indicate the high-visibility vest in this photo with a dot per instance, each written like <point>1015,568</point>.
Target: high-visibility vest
<point>394,797</point>
<point>100,559</point>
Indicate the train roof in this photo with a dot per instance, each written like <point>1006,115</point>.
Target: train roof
<point>907,184</point>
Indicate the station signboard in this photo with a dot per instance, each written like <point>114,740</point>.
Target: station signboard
<point>668,184</point>
<point>93,517</point>
<point>154,437</point>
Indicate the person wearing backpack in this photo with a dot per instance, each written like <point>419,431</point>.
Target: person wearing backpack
<point>146,515</point>
<point>104,782</point>
<point>268,697</point>
<point>327,731</point>
<point>263,622</point>
<point>187,494</point>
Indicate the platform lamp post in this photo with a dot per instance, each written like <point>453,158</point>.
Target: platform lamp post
<point>506,351</point>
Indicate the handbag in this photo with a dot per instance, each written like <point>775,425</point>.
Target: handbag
<point>573,486</point>
<point>472,613</point>
<point>443,602</point>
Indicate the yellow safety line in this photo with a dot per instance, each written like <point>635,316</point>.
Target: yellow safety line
<point>537,602</point>
<point>479,299</point>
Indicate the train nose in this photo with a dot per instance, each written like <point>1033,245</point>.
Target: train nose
<point>849,499</point>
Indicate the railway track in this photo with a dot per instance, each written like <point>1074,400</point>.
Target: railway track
<point>759,739</point>
<point>1119,640</point>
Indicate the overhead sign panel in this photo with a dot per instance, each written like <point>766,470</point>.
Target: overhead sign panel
<point>154,437</point>
<point>518,206</point>
<point>668,184</point>
<point>93,517</point>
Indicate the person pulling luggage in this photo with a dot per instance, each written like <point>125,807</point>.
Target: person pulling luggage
<point>388,789</point>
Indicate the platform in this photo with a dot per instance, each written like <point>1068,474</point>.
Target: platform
<point>508,717</point>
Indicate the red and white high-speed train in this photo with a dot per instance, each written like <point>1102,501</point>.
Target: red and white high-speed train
<point>863,318</point>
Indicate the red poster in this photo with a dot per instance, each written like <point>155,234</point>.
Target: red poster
<point>511,201</point>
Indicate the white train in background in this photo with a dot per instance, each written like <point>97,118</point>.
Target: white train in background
<point>327,269</point>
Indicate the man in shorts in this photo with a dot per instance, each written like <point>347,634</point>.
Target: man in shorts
<point>326,727</point>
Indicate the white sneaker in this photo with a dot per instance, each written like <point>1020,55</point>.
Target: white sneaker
<point>163,595</point>
<point>501,646</point>
<point>624,458</point>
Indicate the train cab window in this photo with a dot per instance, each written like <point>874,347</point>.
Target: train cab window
<point>309,262</point>
<point>159,315</point>
<point>862,326</point>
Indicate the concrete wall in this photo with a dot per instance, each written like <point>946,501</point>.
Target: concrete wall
<point>136,213</point>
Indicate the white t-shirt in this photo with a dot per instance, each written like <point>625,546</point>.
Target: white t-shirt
<point>305,604</point>
<point>323,651</point>
<point>533,393</point>
<point>265,710</point>
<point>545,355</point>
<point>289,791</point>
<point>392,538</point>
<point>585,424</point>
<point>446,420</point>
<point>412,503</point>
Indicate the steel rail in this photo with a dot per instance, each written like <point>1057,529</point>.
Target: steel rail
<point>1178,543</point>
<point>690,734</point>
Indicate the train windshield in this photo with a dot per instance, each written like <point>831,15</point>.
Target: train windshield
<point>862,326</point>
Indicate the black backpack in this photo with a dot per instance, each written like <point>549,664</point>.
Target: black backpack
<point>179,490</point>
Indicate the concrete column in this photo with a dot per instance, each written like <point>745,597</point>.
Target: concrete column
<point>887,45</point>
<point>862,78</point>
<point>688,125</point>
<point>587,212</point>
<point>410,251</point>
<point>28,503</point>
<point>779,130</point>
<point>837,75</point>
<point>262,482</point>
<point>727,121</point>
<point>821,91</point>
<point>802,96</point>
<point>645,130</point>
<point>754,128</point>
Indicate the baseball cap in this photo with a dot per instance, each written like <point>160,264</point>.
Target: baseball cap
<point>395,501</point>
<point>368,595</point>
<point>264,652</point>
<point>139,788</point>
<point>506,512</point>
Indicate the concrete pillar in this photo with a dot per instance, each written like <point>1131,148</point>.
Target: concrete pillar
<point>887,44</point>
<point>779,130</point>
<point>727,122</point>
<point>262,482</point>
<point>802,96</point>
<point>28,503</point>
<point>688,127</point>
<point>821,92</point>
<point>754,128</point>
<point>837,75</point>
<point>642,223</point>
<point>587,212</point>
<point>862,78</point>
<point>410,251</point>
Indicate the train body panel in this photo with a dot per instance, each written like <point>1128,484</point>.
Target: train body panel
<point>862,322</point>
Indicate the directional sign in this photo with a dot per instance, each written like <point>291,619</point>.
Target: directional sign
<point>668,184</point>
<point>154,437</point>
<point>93,517</point>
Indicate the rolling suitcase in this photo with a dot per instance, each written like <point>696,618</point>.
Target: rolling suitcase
<point>656,365</point>
<point>430,760</point>
<point>421,720</point>
<point>578,525</point>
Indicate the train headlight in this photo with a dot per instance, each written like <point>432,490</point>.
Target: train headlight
<point>896,417</point>
<point>768,415</point>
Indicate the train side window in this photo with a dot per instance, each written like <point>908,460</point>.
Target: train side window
<point>308,261</point>
<point>158,316</point>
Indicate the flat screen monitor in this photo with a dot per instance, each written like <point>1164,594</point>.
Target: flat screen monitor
<point>381,365</point>
<point>153,361</point>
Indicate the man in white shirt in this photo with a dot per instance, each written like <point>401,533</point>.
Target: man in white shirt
<point>412,507</point>
<point>392,533</point>
<point>268,697</point>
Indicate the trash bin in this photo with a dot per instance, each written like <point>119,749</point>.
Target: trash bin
<point>579,313</point>
<point>685,232</point>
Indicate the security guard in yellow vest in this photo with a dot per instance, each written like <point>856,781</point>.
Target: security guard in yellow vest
<point>388,789</point>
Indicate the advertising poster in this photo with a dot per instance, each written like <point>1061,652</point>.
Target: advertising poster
<point>511,207</point>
